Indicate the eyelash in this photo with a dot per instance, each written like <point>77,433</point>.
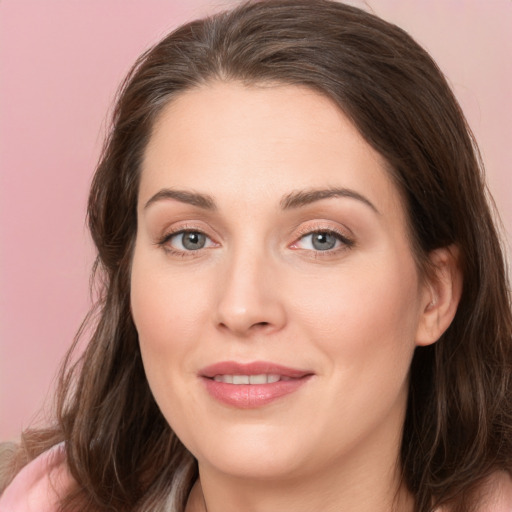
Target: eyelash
<point>347,243</point>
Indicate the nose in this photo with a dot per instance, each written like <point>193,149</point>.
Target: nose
<point>250,300</point>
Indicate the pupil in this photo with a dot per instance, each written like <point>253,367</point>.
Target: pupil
<point>193,241</point>
<point>323,241</point>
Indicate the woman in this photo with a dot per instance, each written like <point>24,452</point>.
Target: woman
<point>305,301</point>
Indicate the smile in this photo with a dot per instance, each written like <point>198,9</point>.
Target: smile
<point>251,385</point>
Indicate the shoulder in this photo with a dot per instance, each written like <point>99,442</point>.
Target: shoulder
<point>498,498</point>
<point>39,485</point>
<point>494,495</point>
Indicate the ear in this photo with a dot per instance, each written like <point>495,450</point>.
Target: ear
<point>441,295</point>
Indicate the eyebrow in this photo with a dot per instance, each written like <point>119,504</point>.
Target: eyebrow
<point>296,199</point>
<point>301,198</point>
<point>183,196</point>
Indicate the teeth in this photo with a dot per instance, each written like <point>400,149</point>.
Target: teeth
<point>257,379</point>
<point>228,379</point>
<point>249,379</point>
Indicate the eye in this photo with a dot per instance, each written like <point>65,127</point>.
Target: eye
<point>188,241</point>
<point>322,240</point>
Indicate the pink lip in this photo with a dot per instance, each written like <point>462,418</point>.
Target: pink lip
<point>248,396</point>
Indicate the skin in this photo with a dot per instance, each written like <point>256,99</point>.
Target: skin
<point>261,290</point>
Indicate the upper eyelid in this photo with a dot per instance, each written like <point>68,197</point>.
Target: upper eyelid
<point>323,225</point>
<point>329,231</point>
<point>181,226</point>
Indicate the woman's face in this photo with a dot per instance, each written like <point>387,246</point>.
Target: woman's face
<point>273,288</point>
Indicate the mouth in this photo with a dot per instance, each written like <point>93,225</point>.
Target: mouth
<point>252,385</point>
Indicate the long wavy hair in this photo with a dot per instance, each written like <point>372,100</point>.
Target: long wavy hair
<point>458,428</point>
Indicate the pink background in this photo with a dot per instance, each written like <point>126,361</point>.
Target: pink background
<point>60,63</point>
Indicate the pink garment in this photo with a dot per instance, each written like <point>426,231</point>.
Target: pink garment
<point>38,486</point>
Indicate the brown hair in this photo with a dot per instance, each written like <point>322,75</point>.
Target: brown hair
<point>458,427</point>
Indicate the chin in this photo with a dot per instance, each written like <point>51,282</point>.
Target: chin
<point>253,455</point>
<point>254,466</point>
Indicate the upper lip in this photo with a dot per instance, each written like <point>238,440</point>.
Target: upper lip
<point>254,368</point>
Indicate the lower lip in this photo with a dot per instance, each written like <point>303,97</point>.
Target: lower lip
<point>250,396</point>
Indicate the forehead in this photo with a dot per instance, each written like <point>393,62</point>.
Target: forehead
<point>255,142</point>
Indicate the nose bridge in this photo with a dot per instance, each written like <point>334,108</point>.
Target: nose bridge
<point>248,298</point>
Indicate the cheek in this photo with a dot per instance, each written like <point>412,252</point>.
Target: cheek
<point>365,315</point>
<point>363,323</point>
<point>168,316</point>
<point>166,308</point>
